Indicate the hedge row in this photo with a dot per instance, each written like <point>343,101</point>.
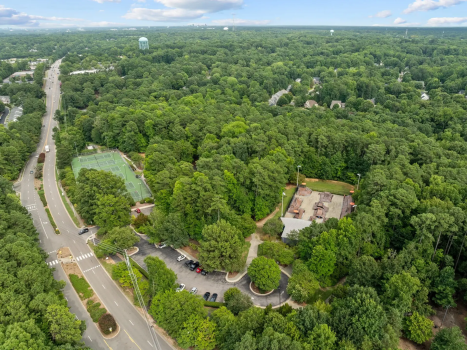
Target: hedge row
<point>214,304</point>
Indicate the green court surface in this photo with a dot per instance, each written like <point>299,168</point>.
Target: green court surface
<point>113,162</point>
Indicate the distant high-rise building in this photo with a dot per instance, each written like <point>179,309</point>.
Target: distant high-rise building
<point>143,43</point>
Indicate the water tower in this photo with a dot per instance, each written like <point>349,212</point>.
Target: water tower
<point>143,43</point>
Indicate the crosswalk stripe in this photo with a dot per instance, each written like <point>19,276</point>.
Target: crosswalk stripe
<point>78,258</point>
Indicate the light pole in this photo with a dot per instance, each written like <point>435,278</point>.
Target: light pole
<point>282,208</point>
<point>447,308</point>
<point>298,173</point>
<point>358,183</point>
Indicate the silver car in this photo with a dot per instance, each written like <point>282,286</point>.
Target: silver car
<point>194,290</point>
<point>180,288</point>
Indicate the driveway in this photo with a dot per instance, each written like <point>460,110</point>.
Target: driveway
<point>214,282</point>
<point>3,115</point>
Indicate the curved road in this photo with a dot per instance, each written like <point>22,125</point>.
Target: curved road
<point>134,333</point>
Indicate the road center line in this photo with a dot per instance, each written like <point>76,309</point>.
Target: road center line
<point>106,288</point>
<point>89,338</point>
<point>150,344</point>
<point>131,322</point>
<point>115,303</point>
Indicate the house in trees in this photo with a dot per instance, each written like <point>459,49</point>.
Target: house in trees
<point>337,102</point>
<point>274,98</point>
<point>5,99</point>
<point>316,81</point>
<point>311,103</point>
<point>298,80</point>
<point>425,97</point>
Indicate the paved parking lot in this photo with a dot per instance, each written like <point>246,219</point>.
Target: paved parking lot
<point>214,282</point>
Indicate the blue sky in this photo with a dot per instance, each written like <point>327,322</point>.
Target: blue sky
<point>113,13</point>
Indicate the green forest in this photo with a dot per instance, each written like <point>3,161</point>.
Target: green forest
<point>194,111</point>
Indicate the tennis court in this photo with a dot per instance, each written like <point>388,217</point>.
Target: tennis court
<point>113,162</point>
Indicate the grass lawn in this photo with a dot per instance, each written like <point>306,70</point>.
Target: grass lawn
<point>288,197</point>
<point>334,187</point>
<point>81,286</point>
<point>65,203</point>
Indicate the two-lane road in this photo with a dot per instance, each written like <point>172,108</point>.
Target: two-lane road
<point>134,333</point>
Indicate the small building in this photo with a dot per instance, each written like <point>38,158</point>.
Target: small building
<point>5,99</point>
<point>337,102</point>
<point>461,92</point>
<point>298,80</point>
<point>316,80</point>
<point>311,103</point>
<point>425,97</point>
<point>289,88</point>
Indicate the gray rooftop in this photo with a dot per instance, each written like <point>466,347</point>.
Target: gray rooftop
<point>291,224</point>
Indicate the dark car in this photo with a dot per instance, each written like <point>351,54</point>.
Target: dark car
<point>214,297</point>
<point>83,230</point>
<point>194,266</point>
<point>204,272</point>
<point>206,296</point>
<point>188,263</point>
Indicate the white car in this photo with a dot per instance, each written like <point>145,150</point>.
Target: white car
<point>162,245</point>
<point>194,290</point>
<point>180,288</point>
<point>181,257</point>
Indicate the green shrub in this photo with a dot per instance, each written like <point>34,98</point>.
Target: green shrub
<point>273,227</point>
<point>229,293</point>
<point>95,310</point>
<point>213,304</point>
<point>81,286</point>
<point>42,197</point>
<point>107,322</point>
<point>278,251</point>
<point>149,200</point>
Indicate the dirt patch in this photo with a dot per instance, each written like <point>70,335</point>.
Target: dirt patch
<point>455,317</point>
<point>248,239</point>
<point>194,253</point>
<point>257,290</point>
<point>405,344</point>
<point>72,268</point>
<point>232,274</point>
<point>63,253</point>
<point>132,250</point>
<point>260,223</point>
<point>37,184</point>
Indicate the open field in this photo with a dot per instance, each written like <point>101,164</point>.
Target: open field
<point>335,187</point>
<point>113,162</point>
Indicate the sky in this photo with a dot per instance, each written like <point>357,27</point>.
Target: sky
<point>115,13</point>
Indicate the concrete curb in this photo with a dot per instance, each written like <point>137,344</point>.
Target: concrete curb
<point>137,250</point>
<point>261,295</point>
<point>80,301</point>
<point>182,252</point>
<point>139,313</point>
<point>236,278</point>
<point>112,335</point>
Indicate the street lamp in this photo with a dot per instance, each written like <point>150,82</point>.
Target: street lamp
<point>298,173</point>
<point>282,208</point>
<point>358,183</point>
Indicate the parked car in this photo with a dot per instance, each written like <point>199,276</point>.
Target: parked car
<point>83,230</point>
<point>199,270</point>
<point>194,266</point>
<point>162,245</point>
<point>180,288</point>
<point>194,290</point>
<point>188,263</point>
<point>31,172</point>
<point>214,297</point>
<point>138,210</point>
<point>204,272</point>
<point>181,257</point>
<point>206,296</point>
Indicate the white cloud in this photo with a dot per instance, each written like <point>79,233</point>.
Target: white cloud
<point>240,22</point>
<point>428,5</point>
<point>382,14</point>
<point>209,6</point>
<point>446,20</point>
<point>181,10</point>
<point>399,20</point>
<point>9,16</point>
<point>140,0</point>
<point>102,1</point>
<point>171,15</point>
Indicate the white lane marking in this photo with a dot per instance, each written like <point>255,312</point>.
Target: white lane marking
<point>150,344</point>
<point>106,288</point>
<point>93,272</point>
<point>43,228</point>
<point>89,338</point>
<point>115,303</point>
<point>73,240</point>
<point>131,322</point>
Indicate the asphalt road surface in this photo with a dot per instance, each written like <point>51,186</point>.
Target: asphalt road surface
<point>3,115</point>
<point>134,333</point>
